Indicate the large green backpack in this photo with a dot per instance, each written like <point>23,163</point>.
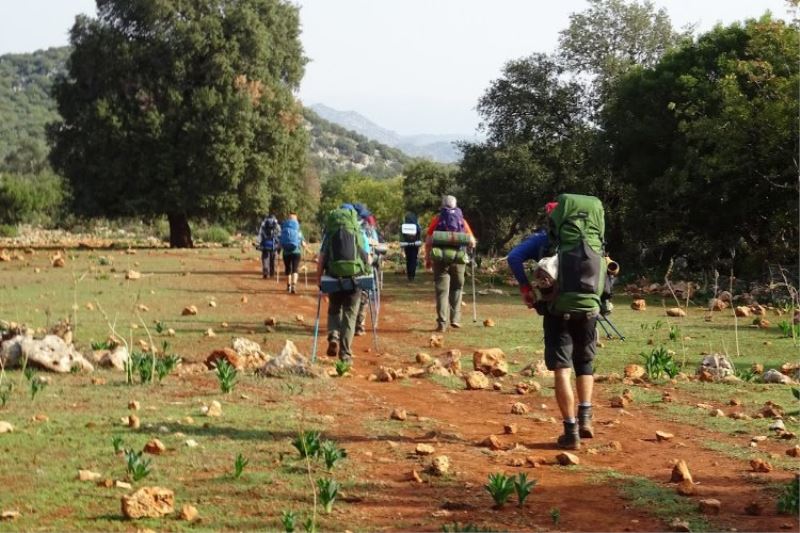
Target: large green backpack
<point>344,245</point>
<point>577,229</point>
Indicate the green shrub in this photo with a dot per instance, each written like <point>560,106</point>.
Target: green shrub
<point>8,230</point>
<point>214,233</point>
<point>30,199</point>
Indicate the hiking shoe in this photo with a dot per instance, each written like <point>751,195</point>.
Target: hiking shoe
<point>585,429</point>
<point>293,290</point>
<point>360,331</point>
<point>288,288</point>
<point>441,328</point>
<point>333,348</point>
<point>346,359</point>
<point>455,325</point>
<point>570,440</point>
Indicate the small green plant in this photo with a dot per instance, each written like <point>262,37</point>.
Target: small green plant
<point>659,362</point>
<point>331,453</point>
<point>166,364</point>
<point>744,373</point>
<point>37,385</point>
<point>5,393</point>
<point>288,520</point>
<point>523,487</point>
<point>455,527</point>
<point>674,333</point>
<point>789,329</point>
<point>328,489</point>
<point>342,367</point>
<point>789,498</point>
<point>29,373</point>
<point>555,515</point>
<point>161,327</point>
<point>500,487</point>
<point>238,465</point>
<point>116,442</point>
<point>137,467</point>
<point>102,345</point>
<point>796,393</point>
<point>309,526</point>
<point>307,443</point>
<point>226,375</point>
<point>141,364</point>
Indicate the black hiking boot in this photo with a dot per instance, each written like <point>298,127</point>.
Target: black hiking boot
<point>333,348</point>
<point>360,331</point>
<point>570,440</point>
<point>441,328</point>
<point>585,428</point>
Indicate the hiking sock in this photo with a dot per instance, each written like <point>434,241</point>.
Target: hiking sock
<point>585,420</point>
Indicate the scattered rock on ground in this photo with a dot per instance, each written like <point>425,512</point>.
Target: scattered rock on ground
<point>424,449</point>
<point>492,442</point>
<point>754,509</point>
<point>423,358</point>
<point>489,323</point>
<point>452,361</point>
<point>440,465</point>
<point>760,465</point>
<point>710,506</point>
<point>717,365</point>
<point>88,475</point>
<point>476,380</point>
<point>676,312</point>
<point>5,427</point>
<point>633,371</point>
<point>133,275</point>
<point>398,414</point>
<point>639,305</point>
<point>663,436</point>
<point>793,452</point>
<point>680,472</point>
<point>148,502</point>
<point>686,488</point>
<point>680,525</point>
<point>775,376</point>
<point>189,310</point>
<point>742,311</point>
<point>567,459</point>
<point>510,429</point>
<point>436,341</point>
<point>134,422</point>
<point>519,408</point>
<point>155,447</point>
<point>490,361</point>
<point>49,353</point>
<point>290,361</point>
<point>189,513</point>
<point>227,354</point>
<point>619,402</point>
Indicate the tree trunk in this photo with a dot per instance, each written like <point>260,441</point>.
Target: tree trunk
<point>180,234</point>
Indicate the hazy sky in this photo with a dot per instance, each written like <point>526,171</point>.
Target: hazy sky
<point>414,66</point>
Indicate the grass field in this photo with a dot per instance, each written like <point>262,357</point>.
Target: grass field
<point>261,417</point>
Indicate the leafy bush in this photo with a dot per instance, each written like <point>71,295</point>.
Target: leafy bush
<point>8,230</point>
<point>659,362</point>
<point>789,329</point>
<point>523,487</point>
<point>500,487</point>
<point>342,367</point>
<point>30,199</point>
<point>116,442</point>
<point>214,233</point>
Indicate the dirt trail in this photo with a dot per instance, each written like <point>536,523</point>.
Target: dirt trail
<point>455,421</point>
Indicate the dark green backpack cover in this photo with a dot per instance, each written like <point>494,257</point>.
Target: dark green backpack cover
<point>344,245</point>
<point>577,229</point>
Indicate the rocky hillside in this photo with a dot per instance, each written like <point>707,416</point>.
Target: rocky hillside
<point>26,107</point>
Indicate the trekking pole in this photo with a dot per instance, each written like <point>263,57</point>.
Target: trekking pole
<point>605,329</point>
<point>316,328</point>
<point>613,327</point>
<point>373,318</point>
<point>474,304</point>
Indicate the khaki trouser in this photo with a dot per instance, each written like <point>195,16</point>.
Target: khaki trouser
<point>449,281</point>
<point>342,312</point>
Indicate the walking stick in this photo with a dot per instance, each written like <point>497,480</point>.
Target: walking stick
<point>474,304</point>
<point>374,320</point>
<point>605,329</point>
<point>316,328</point>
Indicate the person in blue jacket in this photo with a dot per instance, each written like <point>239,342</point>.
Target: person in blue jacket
<point>565,347</point>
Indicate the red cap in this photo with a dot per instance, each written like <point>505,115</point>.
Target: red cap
<point>549,207</point>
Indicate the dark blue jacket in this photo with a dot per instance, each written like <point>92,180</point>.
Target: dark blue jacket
<point>533,248</point>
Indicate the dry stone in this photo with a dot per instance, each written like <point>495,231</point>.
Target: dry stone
<point>490,361</point>
<point>49,353</point>
<point>476,380</point>
<point>680,472</point>
<point>290,361</point>
<point>148,502</point>
<point>567,459</point>
<point>225,354</point>
<point>775,376</point>
<point>639,305</point>
<point>519,408</point>
<point>189,513</point>
<point>440,465</point>
<point>717,365</point>
<point>676,312</point>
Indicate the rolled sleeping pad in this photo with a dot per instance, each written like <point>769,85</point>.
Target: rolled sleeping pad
<point>451,238</point>
<point>415,243</point>
<point>329,284</point>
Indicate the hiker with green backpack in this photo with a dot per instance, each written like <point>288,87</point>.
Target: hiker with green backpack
<point>448,240</point>
<point>571,256</point>
<point>344,259</point>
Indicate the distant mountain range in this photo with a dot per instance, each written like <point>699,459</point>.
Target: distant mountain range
<point>440,148</point>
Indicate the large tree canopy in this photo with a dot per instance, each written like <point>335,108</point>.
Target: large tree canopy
<point>707,139</point>
<point>184,109</point>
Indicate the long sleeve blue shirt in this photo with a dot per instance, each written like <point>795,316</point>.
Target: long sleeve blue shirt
<point>533,248</point>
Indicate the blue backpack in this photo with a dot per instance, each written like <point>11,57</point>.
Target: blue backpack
<point>269,233</point>
<point>291,239</point>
